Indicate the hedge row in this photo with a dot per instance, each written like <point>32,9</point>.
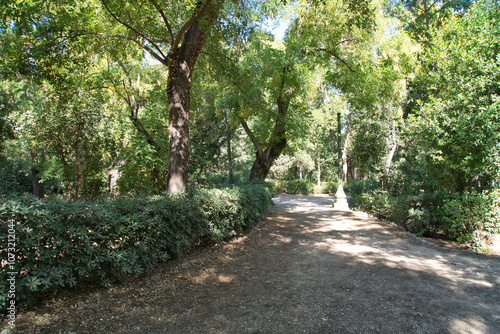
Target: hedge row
<point>60,243</point>
<point>302,187</point>
<point>470,218</point>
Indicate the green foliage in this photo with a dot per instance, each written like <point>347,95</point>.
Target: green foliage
<point>420,17</point>
<point>15,177</point>
<point>448,169</point>
<point>472,217</point>
<point>328,188</point>
<point>356,188</point>
<point>293,187</point>
<point>376,201</point>
<point>62,243</point>
<point>453,134</point>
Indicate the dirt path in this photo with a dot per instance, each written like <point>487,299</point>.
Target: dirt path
<point>306,269</point>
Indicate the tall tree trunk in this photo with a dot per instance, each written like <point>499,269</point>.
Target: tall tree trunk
<point>180,64</point>
<point>229,157</point>
<point>394,145</point>
<point>179,100</point>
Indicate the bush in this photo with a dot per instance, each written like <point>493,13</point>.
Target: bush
<point>328,188</point>
<point>61,243</point>
<point>293,187</point>
<point>15,177</point>
<point>420,213</point>
<point>377,202</point>
<point>472,217</point>
<point>356,188</point>
<point>302,187</point>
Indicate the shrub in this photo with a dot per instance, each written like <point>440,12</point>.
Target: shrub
<point>356,188</point>
<point>377,202</point>
<point>302,187</point>
<point>472,217</point>
<point>328,187</point>
<point>293,187</point>
<point>15,177</point>
<point>420,213</point>
<point>61,243</point>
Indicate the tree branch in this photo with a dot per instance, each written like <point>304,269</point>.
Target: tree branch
<point>334,54</point>
<point>134,107</point>
<point>345,41</point>
<point>188,24</point>
<point>260,153</point>
<point>161,58</point>
<point>218,63</point>
<point>142,44</point>
<point>164,17</point>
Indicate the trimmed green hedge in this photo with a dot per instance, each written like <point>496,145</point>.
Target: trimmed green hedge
<point>60,243</point>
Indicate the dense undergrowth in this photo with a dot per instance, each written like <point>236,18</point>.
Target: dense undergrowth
<point>302,187</point>
<point>60,243</point>
<point>470,218</point>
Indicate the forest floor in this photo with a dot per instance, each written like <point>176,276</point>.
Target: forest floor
<point>307,268</point>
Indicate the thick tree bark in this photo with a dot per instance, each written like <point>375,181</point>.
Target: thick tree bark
<point>264,159</point>
<point>179,100</point>
<point>181,62</point>
<point>262,165</point>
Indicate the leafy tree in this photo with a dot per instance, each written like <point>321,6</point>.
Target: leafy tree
<point>273,78</point>
<point>321,141</point>
<point>139,87</point>
<point>174,35</point>
<point>371,70</point>
<point>455,133</point>
<point>421,17</point>
<point>8,103</point>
